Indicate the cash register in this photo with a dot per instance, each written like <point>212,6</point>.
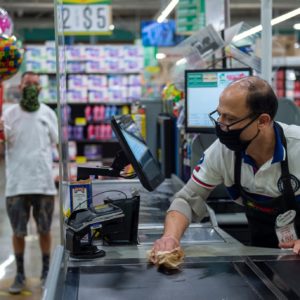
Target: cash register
<point>118,218</point>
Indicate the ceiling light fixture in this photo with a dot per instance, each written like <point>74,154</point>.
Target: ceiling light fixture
<point>164,14</point>
<point>274,21</point>
<point>111,27</point>
<point>296,26</point>
<point>160,55</point>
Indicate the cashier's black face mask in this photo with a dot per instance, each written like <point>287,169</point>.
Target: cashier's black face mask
<point>231,138</point>
<point>30,95</point>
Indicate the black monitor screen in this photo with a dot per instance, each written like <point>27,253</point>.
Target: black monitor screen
<point>137,152</point>
<point>202,91</point>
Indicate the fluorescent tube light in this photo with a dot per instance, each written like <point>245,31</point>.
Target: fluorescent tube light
<point>274,21</point>
<point>164,14</point>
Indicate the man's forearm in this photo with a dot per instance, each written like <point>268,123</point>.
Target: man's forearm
<point>175,224</point>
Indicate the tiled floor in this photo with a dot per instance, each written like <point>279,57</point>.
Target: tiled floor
<point>32,252</point>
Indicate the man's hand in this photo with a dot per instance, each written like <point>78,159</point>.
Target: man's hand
<point>293,244</point>
<point>1,125</point>
<point>165,243</point>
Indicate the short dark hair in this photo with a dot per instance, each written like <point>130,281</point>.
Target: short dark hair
<point>29,73</point>
<point>260,96</point>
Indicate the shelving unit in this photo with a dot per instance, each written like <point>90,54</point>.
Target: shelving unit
<point>287,78</point>
<point>102,81</point>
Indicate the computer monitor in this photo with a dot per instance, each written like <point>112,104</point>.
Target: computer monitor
<point>202,91</point>
<point>137,152</point>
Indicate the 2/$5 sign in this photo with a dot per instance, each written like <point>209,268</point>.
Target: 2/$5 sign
<point>85,17</point>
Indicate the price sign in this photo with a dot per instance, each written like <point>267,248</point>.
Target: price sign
<point>83,17</point>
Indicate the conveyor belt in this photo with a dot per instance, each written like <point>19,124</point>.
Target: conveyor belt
<point>197,280</point>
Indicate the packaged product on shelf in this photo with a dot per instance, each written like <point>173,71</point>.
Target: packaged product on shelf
<point>50,66</point>
<point>35,66</point>
<point>92,152</point>
<point>99,95</point>
<point>134,80</point>
<point>77,82</point>
<point>35,52</point>
<point>134,92</point>
<point>75,53</point>
<point>76,96</point>
<point>113,64</point>
<point>44,95</point>
<point>92,66</point>
<point>117,94</point>
<point>112,51</point>
<point>75,67</point>
<point>50,50</point>
<point>132,51</point>
<point>94,52</point>
<point>72,149</point>
<point>97,81</point>
<point>131,64</point>
<point>52,92</point>
<point>117,80</point>
<point>44,81</point>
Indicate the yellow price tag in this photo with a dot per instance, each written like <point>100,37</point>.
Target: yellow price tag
<point>80,121</point>
<point>81,159</point>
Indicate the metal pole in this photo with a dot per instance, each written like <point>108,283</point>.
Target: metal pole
<point>266,39</point>
<point>227,13</point>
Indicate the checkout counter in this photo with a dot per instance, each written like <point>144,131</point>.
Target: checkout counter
<point>216,265</point>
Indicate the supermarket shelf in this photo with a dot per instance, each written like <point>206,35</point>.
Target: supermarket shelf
<point>92,73</point>
<point>287,61</point>
<point>93,103</point>
<point>95,141</point>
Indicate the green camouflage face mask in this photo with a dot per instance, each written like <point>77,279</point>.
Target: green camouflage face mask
<point>30,101</point>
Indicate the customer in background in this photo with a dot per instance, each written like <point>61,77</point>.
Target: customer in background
<point>256,158</point>
<point>30,131</point>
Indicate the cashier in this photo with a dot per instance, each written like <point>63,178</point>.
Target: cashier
<point>257,159</point>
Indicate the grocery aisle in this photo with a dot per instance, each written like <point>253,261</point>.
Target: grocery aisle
<point>33,265</point>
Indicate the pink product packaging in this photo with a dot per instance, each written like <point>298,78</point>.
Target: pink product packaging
<point>91,133</point>
<point>98,113</point>
<point>97,81</point>
<point>88,113</point>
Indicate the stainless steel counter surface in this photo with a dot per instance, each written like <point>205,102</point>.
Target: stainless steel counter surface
<point>216,265</point>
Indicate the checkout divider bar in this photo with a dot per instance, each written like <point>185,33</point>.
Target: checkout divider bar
<point>53,275</point>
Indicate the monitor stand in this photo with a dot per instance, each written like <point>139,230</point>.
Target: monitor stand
<point>119,163</point>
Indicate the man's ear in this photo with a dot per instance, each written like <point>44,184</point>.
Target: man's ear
<point>264,119</point>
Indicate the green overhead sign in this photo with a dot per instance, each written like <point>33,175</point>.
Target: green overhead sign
<point>190,16</point>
